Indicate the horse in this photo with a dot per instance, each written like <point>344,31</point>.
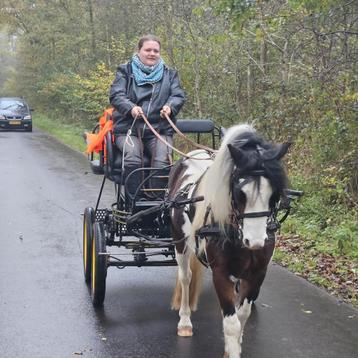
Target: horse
<point>231,230</point>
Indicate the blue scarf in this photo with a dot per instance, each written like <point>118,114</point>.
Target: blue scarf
<point>146,74</point>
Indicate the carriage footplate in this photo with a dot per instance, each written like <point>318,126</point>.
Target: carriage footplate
<point>101,215</point>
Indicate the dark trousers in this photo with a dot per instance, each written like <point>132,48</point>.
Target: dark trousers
<point>133,149</point>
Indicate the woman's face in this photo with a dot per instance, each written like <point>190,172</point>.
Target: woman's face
<point>149,54</point>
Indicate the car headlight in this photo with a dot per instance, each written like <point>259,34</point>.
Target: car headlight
<point>27,117</point>
<point>2,117</point>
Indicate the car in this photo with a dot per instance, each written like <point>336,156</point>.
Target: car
<point>15,113</point>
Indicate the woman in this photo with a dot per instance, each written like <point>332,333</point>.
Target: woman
<point>145,85</point>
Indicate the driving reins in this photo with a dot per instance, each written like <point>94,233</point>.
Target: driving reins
<point>211,151</point>
<point>182,135</point>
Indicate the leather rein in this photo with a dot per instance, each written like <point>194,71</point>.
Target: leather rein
<point>182,135</point>
<point>211,151</point>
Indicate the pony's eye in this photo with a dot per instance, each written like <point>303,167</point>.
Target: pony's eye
<point>241,201</point>
<point>240,198</point>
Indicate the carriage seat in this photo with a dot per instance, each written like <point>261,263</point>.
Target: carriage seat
<point>195,125</point>
<point>111,164</point>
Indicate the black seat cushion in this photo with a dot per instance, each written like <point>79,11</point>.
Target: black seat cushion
<point>195,125</point>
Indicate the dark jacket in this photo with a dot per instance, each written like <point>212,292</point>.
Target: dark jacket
<point>125,94</point>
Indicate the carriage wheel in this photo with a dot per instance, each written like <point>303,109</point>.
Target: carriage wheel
<point>88,220</point>
<point>99,265</point>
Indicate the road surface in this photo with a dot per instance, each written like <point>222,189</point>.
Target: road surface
<point>45,308</point>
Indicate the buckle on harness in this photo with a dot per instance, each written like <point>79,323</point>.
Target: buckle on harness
<point>200,256</point>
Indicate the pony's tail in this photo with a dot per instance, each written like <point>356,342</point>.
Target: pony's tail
<point>194,289</point>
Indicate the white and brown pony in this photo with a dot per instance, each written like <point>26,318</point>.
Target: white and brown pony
<point>231,229</point>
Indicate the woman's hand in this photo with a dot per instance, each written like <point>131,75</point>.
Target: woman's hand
<point>136,111</point>
<point>165,110</point>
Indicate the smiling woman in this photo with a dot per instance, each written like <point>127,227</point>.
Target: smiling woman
<point>15,114</point>
<point>145,86</point>
<point>149,52</point>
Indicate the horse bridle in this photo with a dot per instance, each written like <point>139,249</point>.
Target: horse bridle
<point>238,216</point>
<point>236,225</point>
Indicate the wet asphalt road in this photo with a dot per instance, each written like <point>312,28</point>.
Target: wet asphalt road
<point>45,308</point>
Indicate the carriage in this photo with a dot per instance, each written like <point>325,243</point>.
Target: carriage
<point>138,224</point>
<point>221,207</point>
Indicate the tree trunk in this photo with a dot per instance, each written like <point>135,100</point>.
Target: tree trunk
<point>92,28</point>
<point>263,57</point>
<point>248,85</point>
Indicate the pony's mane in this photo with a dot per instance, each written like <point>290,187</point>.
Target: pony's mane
<point>216,185</point>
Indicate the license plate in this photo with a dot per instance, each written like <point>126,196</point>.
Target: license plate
<point>14,123</point>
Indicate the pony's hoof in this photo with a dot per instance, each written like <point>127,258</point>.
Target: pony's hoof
<point>185,331</point>
<point>226,355</point>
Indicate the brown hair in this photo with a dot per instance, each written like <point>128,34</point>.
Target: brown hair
<point>148,38</point>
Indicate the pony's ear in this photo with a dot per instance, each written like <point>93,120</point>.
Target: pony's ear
<point>237,154</point>
<point>278,152</point>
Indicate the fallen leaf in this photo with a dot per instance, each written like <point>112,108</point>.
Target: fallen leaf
<point>307,311</point>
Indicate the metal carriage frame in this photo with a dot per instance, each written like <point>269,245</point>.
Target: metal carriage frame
<point>139,225</point>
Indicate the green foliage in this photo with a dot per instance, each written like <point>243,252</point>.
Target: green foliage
<point>69,90</point>
<point>288,66</point>
<point>240,11</point>
<point>313,6</point>
<point>325,227</point>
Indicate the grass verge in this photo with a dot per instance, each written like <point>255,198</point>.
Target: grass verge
<point>67,133</point>
<point>323,252</point>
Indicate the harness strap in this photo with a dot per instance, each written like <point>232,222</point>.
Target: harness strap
<point>202,233</point>
<point>203,259</point>
<point>258,214</point>
<point>208,230</point>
